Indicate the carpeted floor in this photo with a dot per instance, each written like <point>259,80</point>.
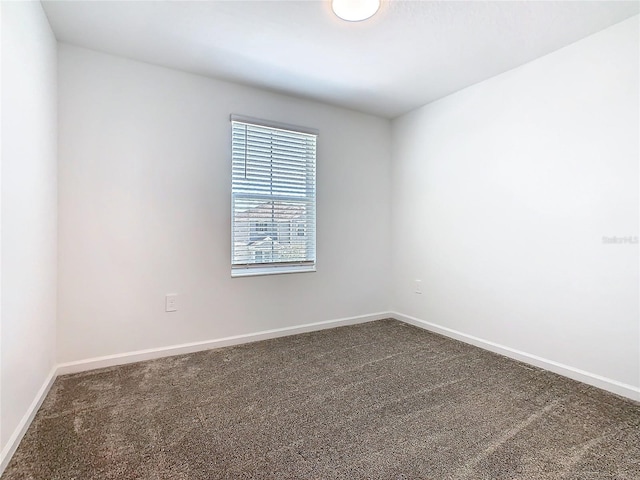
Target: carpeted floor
<point>381,400</point>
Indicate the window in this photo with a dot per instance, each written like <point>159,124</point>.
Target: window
<point>273,194</point>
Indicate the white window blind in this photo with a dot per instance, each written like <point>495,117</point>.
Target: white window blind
<point>273,197</point>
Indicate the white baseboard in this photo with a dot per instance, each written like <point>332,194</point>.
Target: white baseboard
<point>150,354</point>
<point>21,429</point>
<point>619,388</point>
<point>604,383</point>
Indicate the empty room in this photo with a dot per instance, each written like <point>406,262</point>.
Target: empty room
<point>320,239</point>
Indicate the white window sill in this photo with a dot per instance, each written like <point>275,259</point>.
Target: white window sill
<point>279,270</point>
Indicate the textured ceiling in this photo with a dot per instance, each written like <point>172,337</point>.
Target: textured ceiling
<point>409,54</point>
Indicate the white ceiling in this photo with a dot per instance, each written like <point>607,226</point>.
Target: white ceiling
<point>409,54</point>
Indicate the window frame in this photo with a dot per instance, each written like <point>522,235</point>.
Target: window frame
<point>276,267</point>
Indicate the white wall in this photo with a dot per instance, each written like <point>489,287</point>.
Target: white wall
<point>144,210</point>
<point>502,193</point>
<point>28,313</point>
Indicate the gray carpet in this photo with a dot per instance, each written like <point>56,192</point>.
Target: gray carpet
<point>381,400</point>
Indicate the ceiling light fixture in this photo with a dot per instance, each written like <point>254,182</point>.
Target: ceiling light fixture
<point>355,10</point>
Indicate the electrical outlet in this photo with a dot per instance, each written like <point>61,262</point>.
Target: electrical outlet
<point>171,302</point>
<point>418,287</point>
